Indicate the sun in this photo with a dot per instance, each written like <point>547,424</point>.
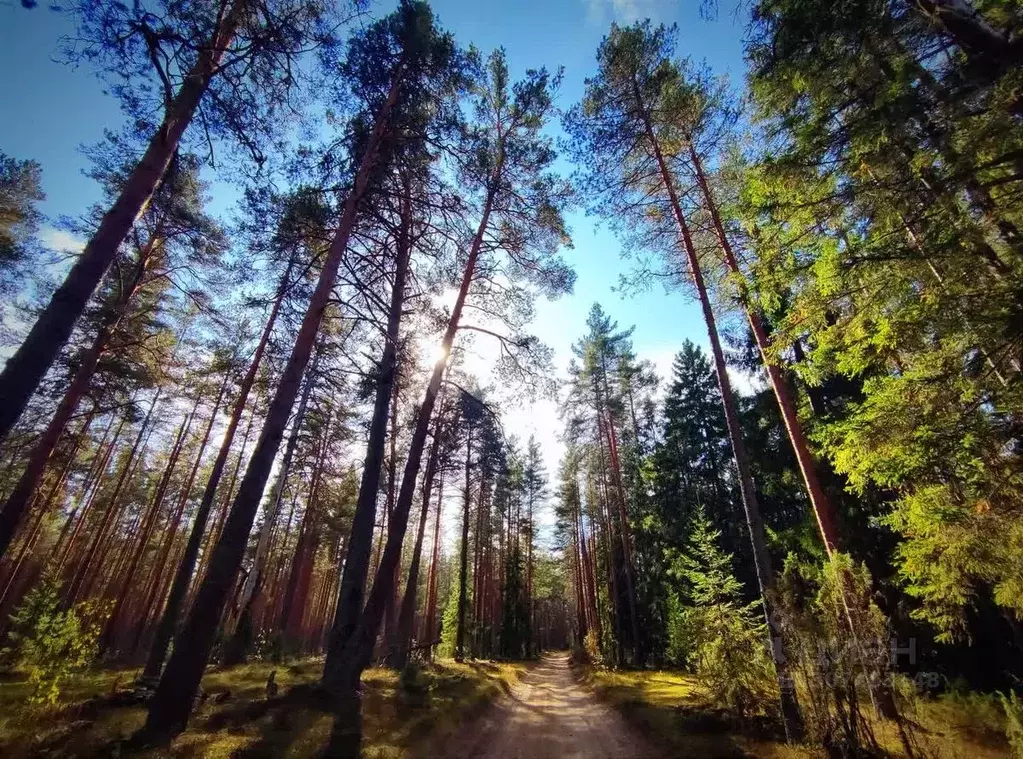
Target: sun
<point>431,350</point>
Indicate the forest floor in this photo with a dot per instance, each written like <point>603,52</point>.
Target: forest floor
<point>237,719</point>
<point>671,709</point>
<point>485,710</point>
<point>549,714</point>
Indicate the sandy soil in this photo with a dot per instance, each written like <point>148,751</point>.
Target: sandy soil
<point>548,714</point>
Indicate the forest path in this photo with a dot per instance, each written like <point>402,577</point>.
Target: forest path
<point>549,714</point>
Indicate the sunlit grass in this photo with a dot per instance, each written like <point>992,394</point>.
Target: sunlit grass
<point>243,723</point>
<point>673,709</point>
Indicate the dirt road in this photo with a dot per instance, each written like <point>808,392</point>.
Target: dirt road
<point>547,715</point>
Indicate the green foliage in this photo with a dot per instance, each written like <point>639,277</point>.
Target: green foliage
<point>52,644</point>
<point>678,632</point>
<point>449,623</point>
<point>886,244</point>
<point>841,671</point>
<point>1013,706</point>
<point>724,640</point>
<point>591,646</point>
<point>20,192</point>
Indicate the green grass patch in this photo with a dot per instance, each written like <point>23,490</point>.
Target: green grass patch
<point>675,711</point>
<point>237,720</point>
<point>951,726</point>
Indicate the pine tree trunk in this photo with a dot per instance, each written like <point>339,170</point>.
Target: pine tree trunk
<point>183,576</point>
<point>479,594</point>
<point>25,369</point>
<point>236,649</point>
<point>430,626</point>
<point>347,659</point>
<point>16,506</point>
<point>273,611</point>
<point>626,540</point>
<point>390,611</point>
<point>463,560</point>
<point>14,566</point>
<point>218,527</point>
<point>529,579</point>
<point>62,548</point>
<point>791,715</point>
<point>589,579</point>
<point>81,573</point>
<point>402,640</point>
<point>827,520</point>
<point>175,522</point>
<point>10,581</point>
<point>124,579</point>
<point>580,604</point>
<point>305,552</point>
<point>988,49</point>
<point>357,562</point>
<point>99,459</point>
<point>172,702</point>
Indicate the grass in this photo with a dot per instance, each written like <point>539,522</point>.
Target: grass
<point>955,725</point>
<point>674,710</point>
<point>237,720</point>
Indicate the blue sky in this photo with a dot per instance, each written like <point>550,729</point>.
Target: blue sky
<point>49,109</point>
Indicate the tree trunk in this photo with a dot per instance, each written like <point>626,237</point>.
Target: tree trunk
<point>89,493</point>
<point>25,369</point>
<point>172,702</point>
<point>589,579</point>
<point>823,509</point>
<point>78,582</point>
<point>626,540</point>
<point>175,522</point>
<point>986,47</point>
<point>183,576</point>
<point>827,521</point>
<point>580,604</point>
<point>16,506</point>
<point>463,562</point>
<point>346,660</point>
<point>357,562</point>
<point>430,627</point>
<point>791,715</point>
<point>14,567</point>
<point>399,645</point>
<point>124,579</point>
<point>236,649</point>
<point>390,618</point>
<point>218,527</point>
<point>305,552</point>
<point>478,572</point>
<point>273,612</point>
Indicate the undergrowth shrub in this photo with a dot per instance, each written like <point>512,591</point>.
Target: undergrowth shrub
<point>51,644</point>
<point>841,673</point>
<point>591,647</point>
<point>718,636</point>
<point>1013,706</point>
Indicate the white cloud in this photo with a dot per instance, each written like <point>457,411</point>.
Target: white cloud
<point>60,240</point>
<point>745,384</point>
<point>602,12</point>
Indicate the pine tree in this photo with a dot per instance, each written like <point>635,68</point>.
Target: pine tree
<point>724,642</point>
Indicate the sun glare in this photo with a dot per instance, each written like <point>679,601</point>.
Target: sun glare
<point>431,351</point>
